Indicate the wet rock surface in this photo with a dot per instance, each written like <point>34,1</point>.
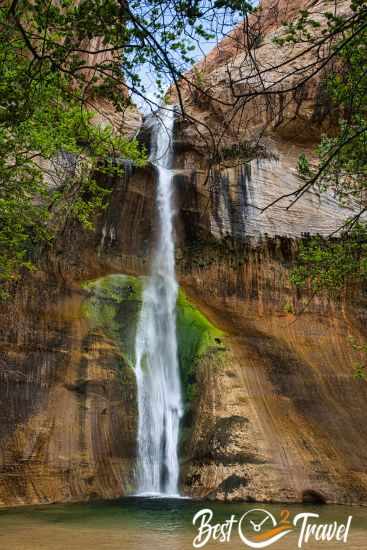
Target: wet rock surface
<point>273,410</point>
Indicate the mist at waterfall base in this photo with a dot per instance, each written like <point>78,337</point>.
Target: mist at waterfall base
<point>157,369</point>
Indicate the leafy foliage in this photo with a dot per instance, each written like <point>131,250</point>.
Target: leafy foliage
<point>56,59</point>
<point>342,157</point>
<point>360,367</point>
<point>329,265</point>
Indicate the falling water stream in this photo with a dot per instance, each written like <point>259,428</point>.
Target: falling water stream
<point>157,370</point>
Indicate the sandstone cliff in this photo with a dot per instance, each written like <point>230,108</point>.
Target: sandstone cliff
<point>273,411</point>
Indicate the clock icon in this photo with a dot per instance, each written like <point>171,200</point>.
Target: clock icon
<point>258,520</point>
<point>258,528</point>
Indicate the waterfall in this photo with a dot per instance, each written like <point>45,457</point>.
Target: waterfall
<point>157,370</point>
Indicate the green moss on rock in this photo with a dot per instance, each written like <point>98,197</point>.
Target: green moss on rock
<point>112,306</point>
<point>196,337</point>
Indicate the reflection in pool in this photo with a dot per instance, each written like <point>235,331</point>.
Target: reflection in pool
<point>152,524</point>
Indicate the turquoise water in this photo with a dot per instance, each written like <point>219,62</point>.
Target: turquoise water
<point>152,524</point>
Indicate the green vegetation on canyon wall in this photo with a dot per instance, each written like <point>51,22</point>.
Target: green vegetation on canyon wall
<point>64,96</point>
<point>113,306</point>
<point>196,338</point>
<point>49,149</point>
<point>266,399</point>
<point>55,77</point>
<point>342,155</point>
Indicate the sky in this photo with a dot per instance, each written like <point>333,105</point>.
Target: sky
<point>202,48</point>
